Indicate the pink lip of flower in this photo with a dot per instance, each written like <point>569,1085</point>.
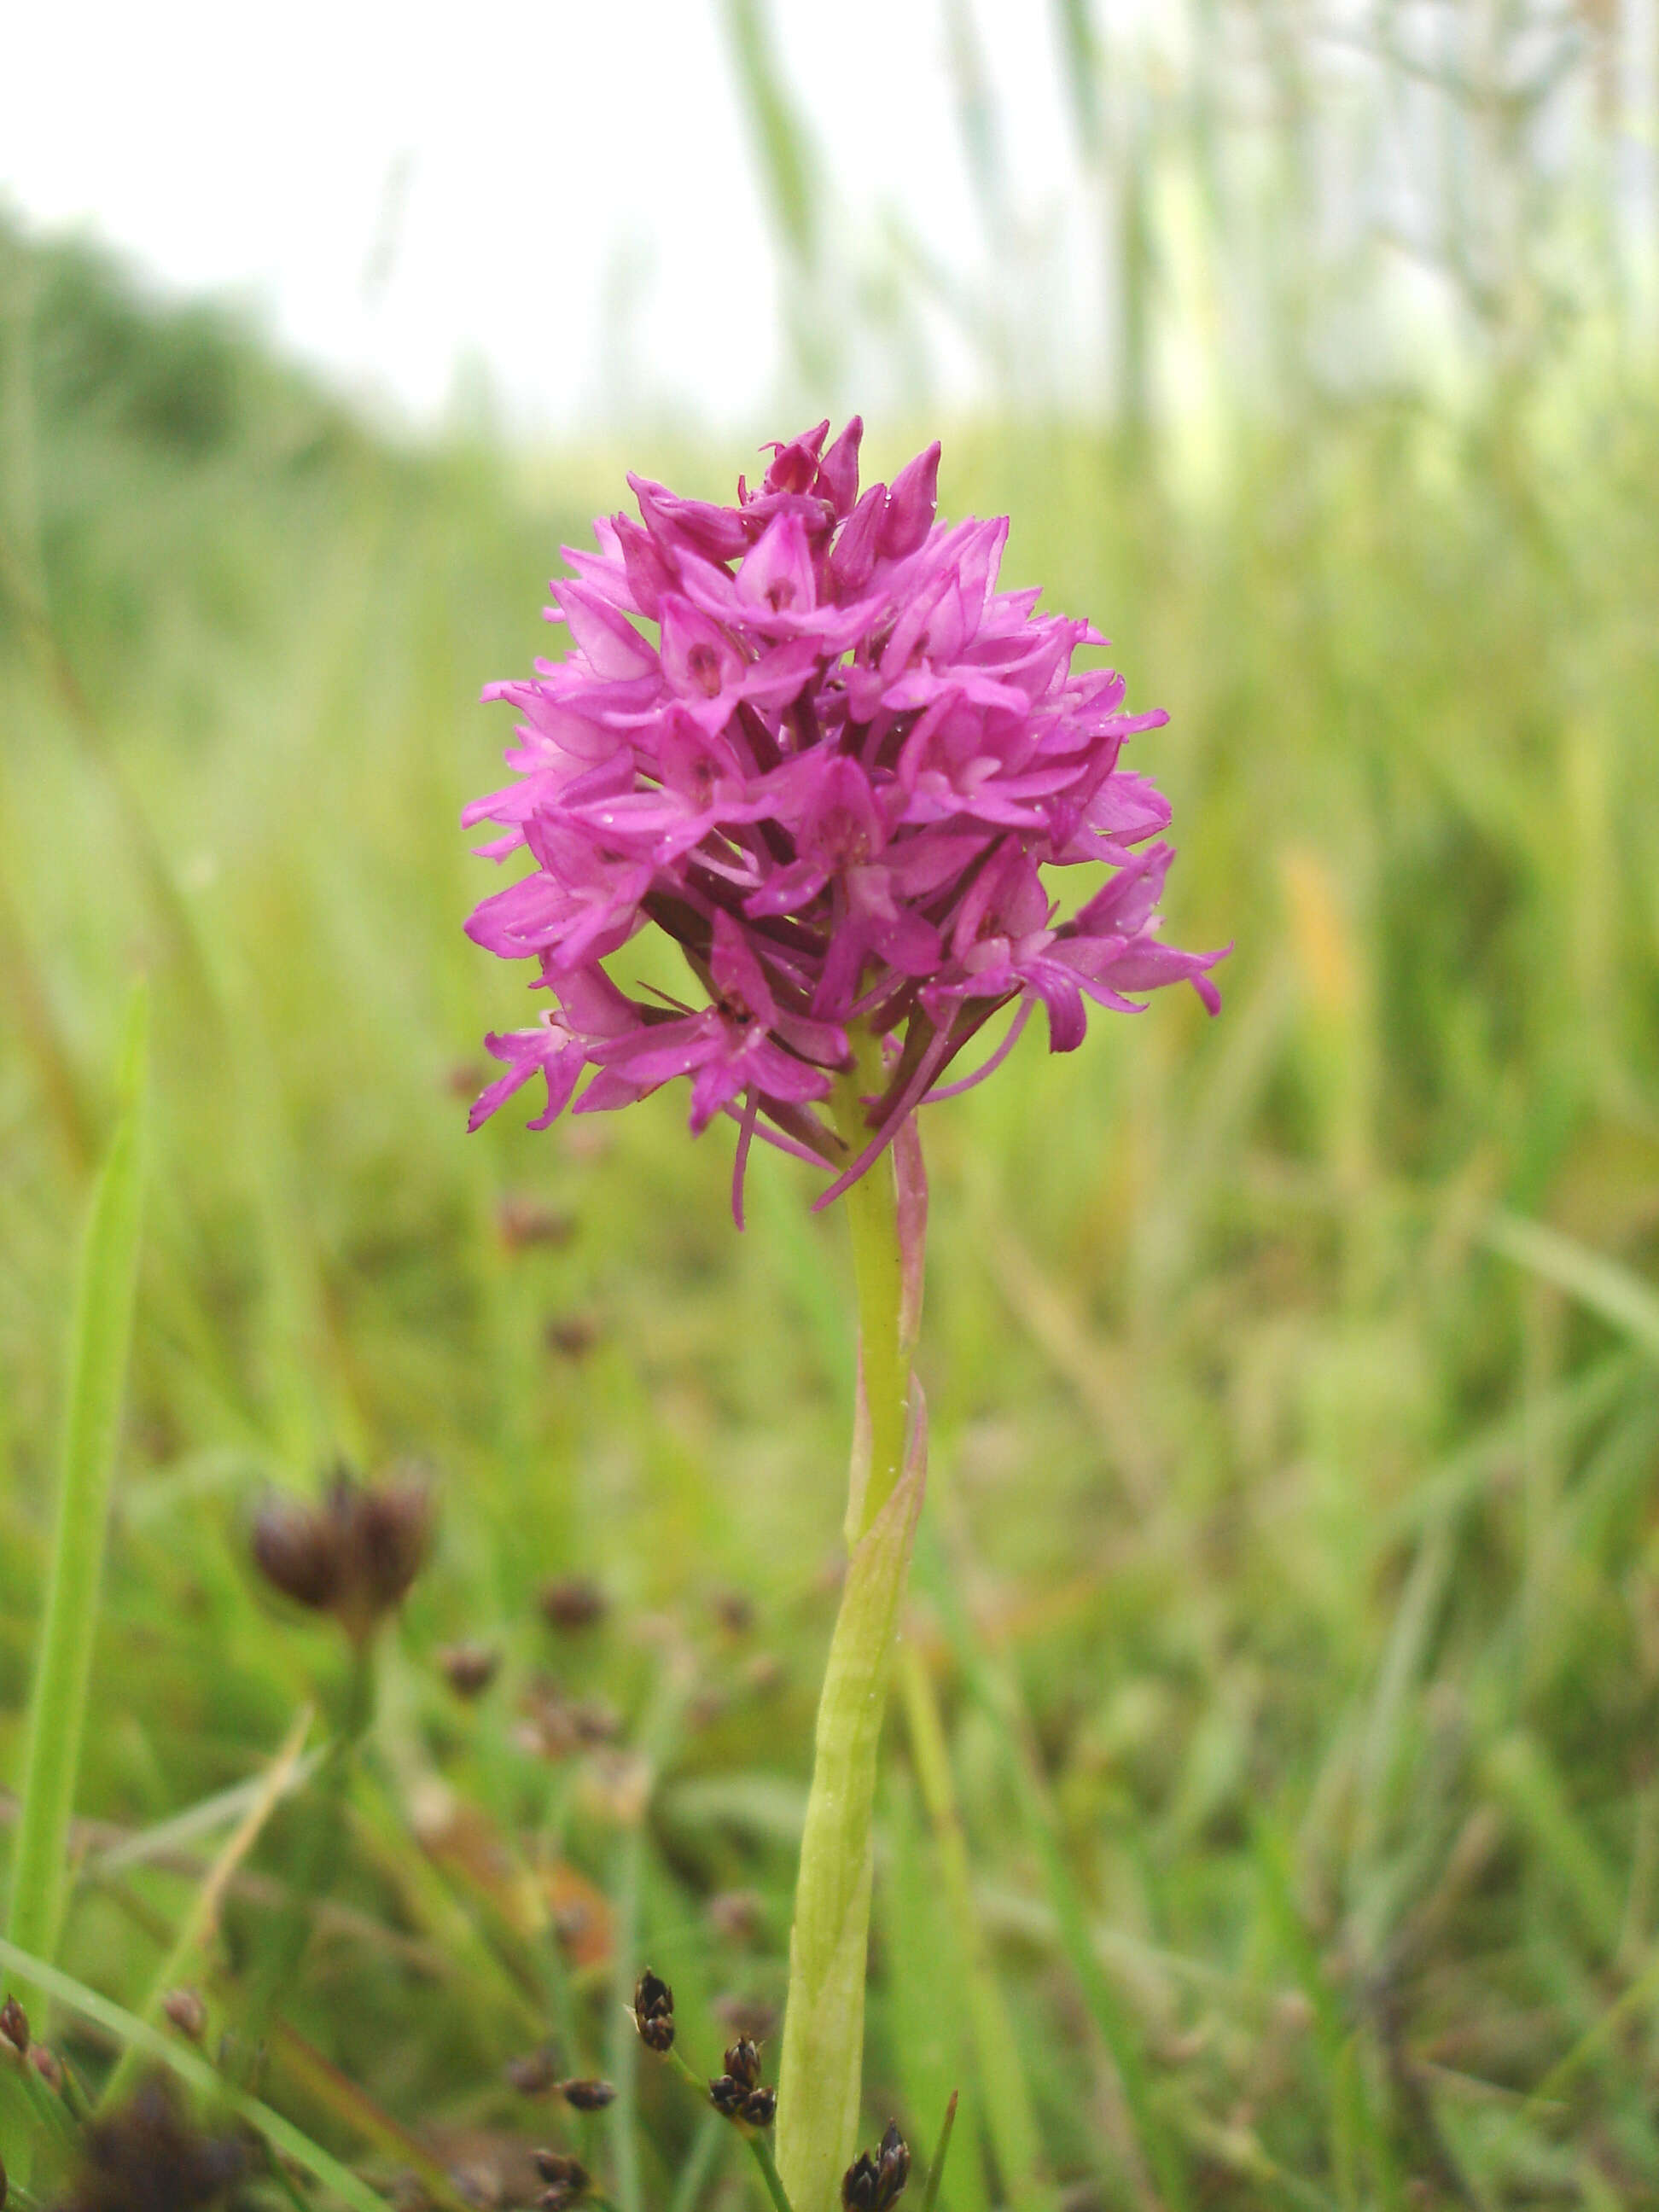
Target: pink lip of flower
<point>834,776</point>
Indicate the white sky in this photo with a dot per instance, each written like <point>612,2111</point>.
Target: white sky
<point>511,164</point>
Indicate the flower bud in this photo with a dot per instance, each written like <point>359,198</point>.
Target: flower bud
<point>838,471</point>
<point>14,2026</point>
<point>912,501</point>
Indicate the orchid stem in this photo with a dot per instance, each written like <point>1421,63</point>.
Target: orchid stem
<point>820,2089</point>
<point>883,1364</point>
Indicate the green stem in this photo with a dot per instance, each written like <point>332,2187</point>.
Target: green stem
<point>884,1363</point>
<point>820,2088</point>
<point>762,2151</point>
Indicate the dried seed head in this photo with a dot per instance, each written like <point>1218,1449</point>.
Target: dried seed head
<point>654,2012</point>
<point>533,2075</point>
<point>354,1554</point>
<point>735,1915</point>
<point>564,2172</point>
<point>469,1669</point>
<point>297,1551</point>
<point>876,2180</point>
<point>734,1609</point>
<point>726,2095</point>
<point>750,2016</point>
<point>146,2157</point>
<point>573,1336</point>
<point>393,1529</point>
<point>587,2096</point>
<point>187,2012</point>
<point>14,2026</point>
<point>742,2062</point>
<point>572,1603</point>
<point>525,1221</point>
<point>760,2108</point>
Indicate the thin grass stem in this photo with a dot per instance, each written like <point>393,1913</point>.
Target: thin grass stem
<point>100,1338</point>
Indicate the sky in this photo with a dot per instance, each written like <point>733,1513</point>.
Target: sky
<point>563,193</point>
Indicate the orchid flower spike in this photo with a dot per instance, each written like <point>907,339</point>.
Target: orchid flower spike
<point>807,738</point>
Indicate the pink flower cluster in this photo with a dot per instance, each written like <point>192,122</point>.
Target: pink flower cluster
<point>832,770</point>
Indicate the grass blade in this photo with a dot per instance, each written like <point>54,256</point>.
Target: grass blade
<point>99,1337</point>
<point>1596,1281</point>
<point>1010,2121</point>
<point>201,1924</point>
<point>280,2134</point>
<point>780,135</point>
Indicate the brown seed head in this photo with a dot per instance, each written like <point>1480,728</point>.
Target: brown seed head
<point>565,2173</point>
<point>298,1552</point>
<point>392,1533</point>
<point>187,2012</point>
<point>876,2180</point>
<point>726,2095</point>
<point>354,1554</point>
<point>525,1221</point>
<point>469,1669</point>
<point>734,1609</point>
<point>571,1603</point>
<point>654,2012</point>
<point>533,2075</point>
<point>750,2016</point>
<point>735,1915</point>
<point>742,2062</point>
<point>146,2157</point>
<point>587,2096</point>
<point>760,2108</point>
<point>14,2026</point>
<point>573,1336</point>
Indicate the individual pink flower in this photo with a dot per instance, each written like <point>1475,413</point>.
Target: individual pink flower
<point>807,738</point>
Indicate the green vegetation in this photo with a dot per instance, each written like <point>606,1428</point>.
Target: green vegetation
<point>1288,1582</point>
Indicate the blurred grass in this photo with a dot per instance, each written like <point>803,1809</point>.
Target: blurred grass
<point>1291,1589</point>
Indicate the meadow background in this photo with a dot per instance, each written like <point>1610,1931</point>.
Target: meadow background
<point>1290,1579</point>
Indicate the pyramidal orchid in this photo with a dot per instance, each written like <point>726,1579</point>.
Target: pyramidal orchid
<point>834,770</point>
<point>807,738</point>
